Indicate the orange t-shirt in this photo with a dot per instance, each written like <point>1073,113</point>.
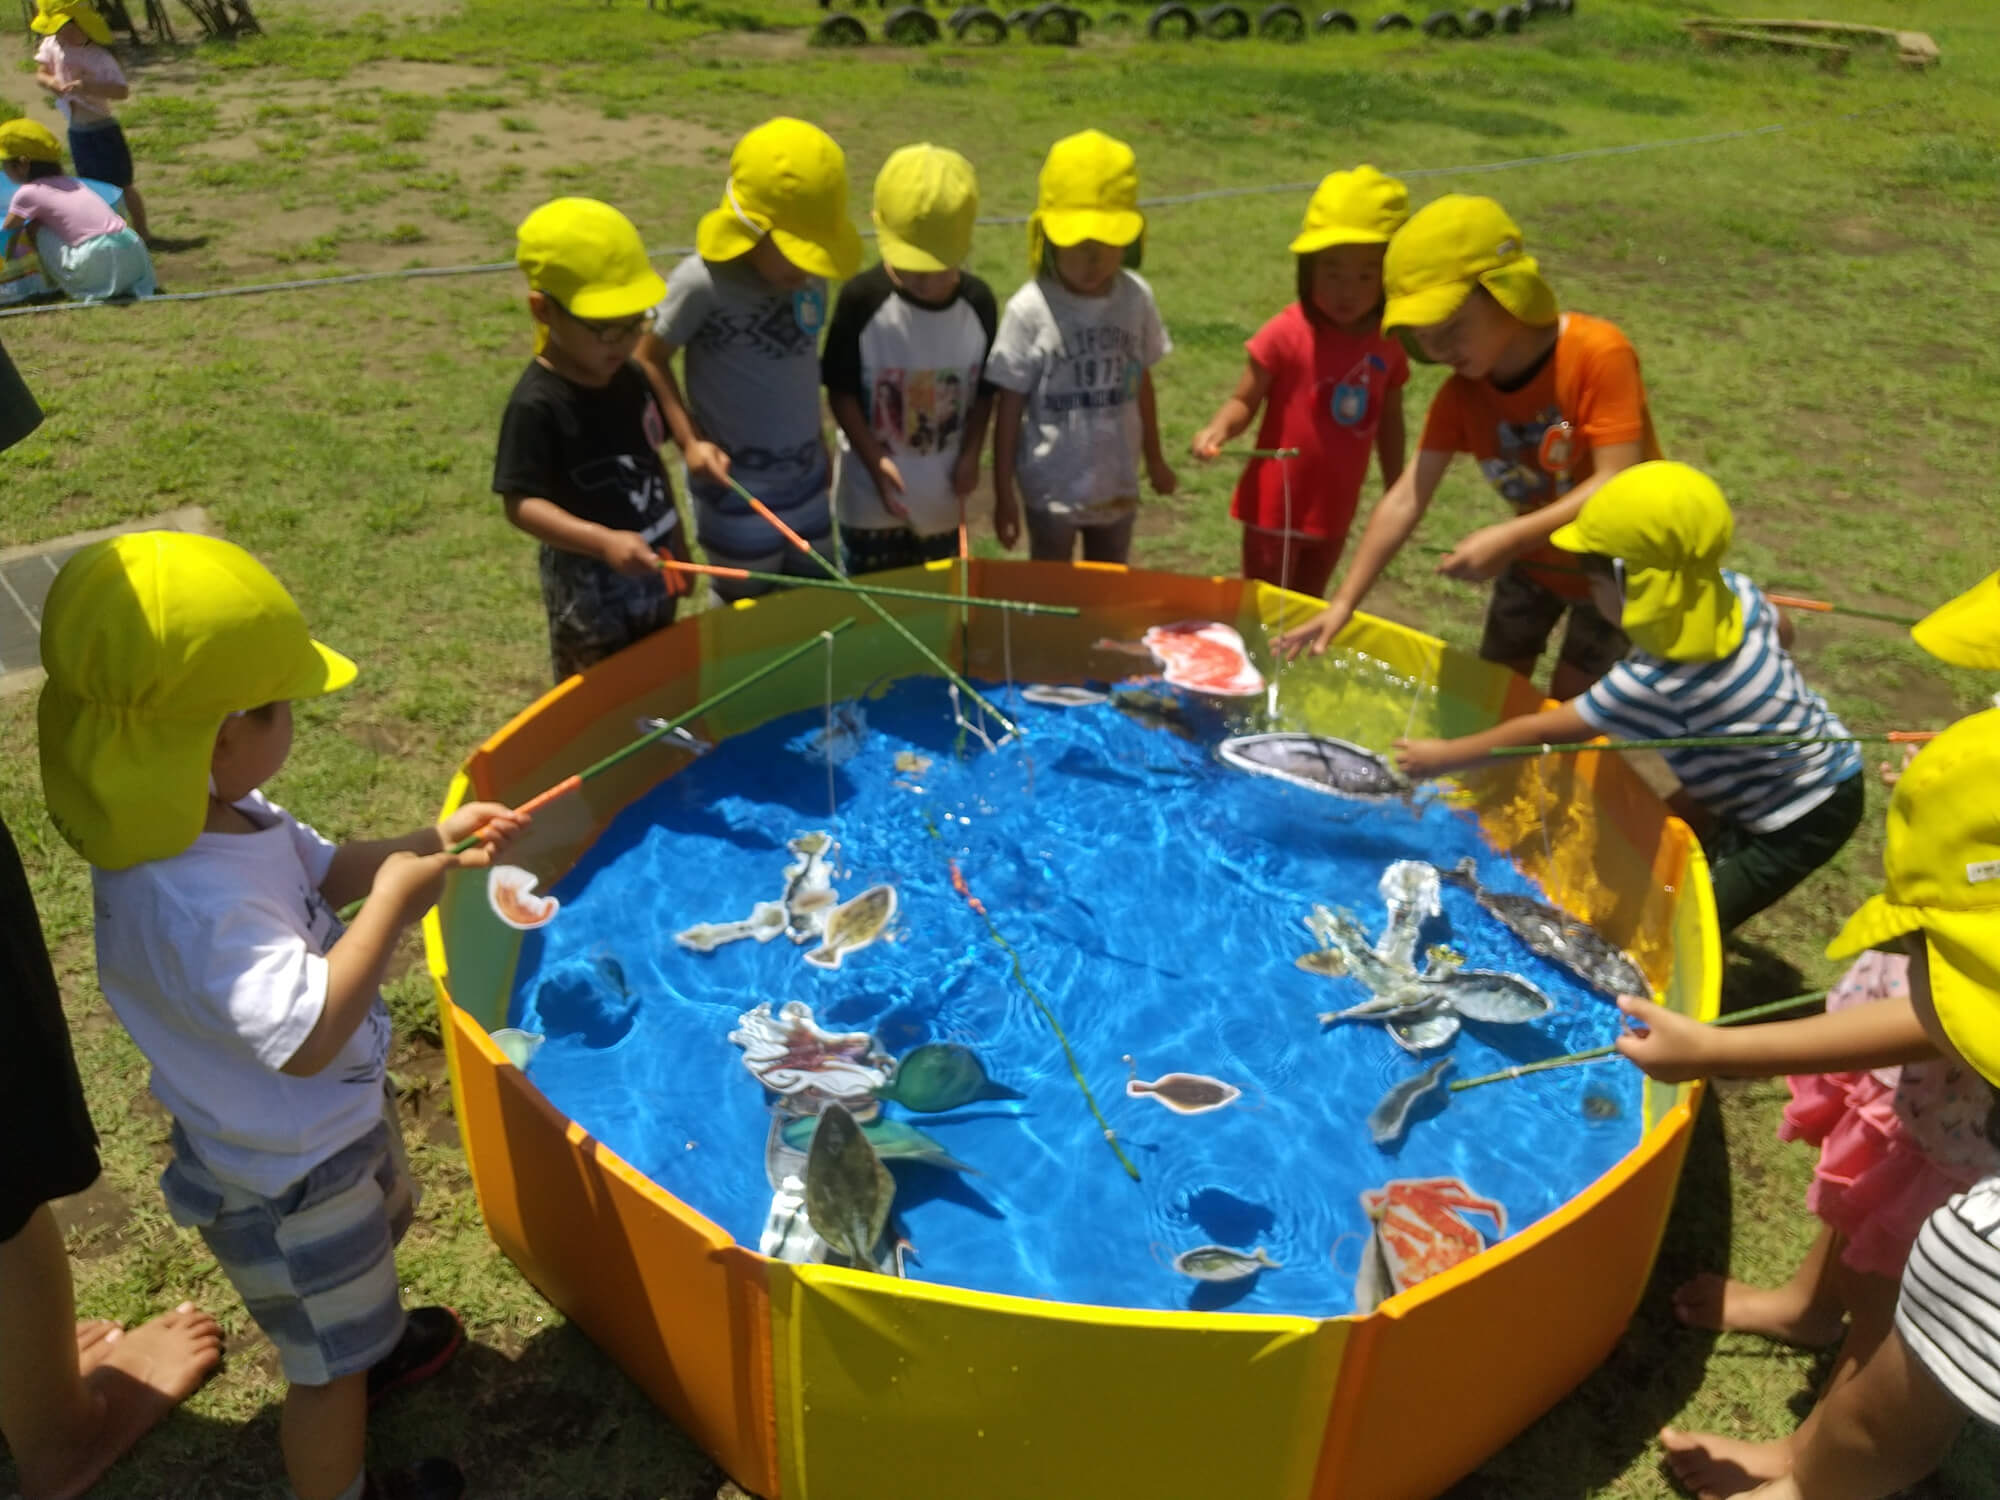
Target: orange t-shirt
<point>1591,381</point>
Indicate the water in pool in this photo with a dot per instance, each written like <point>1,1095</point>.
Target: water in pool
<point>1157,900</point>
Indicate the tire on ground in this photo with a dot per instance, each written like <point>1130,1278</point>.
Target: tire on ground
<point>1284,22</point>
<point>1394,21</point>
<point>909,26</point>
<point>1442,24</point>
<point>1336,20</point>
<point>1478,22</point>
<point>840,31</point>
<point>1052,26</point>
<point>1172,19</point>
<point>975,23</point>
<point>1225,23</point>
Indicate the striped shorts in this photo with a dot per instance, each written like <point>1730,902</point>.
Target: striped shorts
<point>315,1267</point>
<point>1949,1310</point>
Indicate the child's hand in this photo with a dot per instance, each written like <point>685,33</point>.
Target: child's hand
<point>1160,475</point>
<point>889,485</point>
<point>1480,556</point>
<point>1208,442</point>
<point>409,884</point>
<point>497,825</point>
<point>708,461</point>
<point>1315,633</point>
<point>1665,1044</point>
<point>1418,759</point>
<point>965,473</point>
<point>629,553</point>
<point>1006,517</point>
<point>1893,774</point>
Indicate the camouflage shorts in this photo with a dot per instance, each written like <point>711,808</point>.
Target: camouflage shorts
<point>1523,615</point>
<point>595,612</point>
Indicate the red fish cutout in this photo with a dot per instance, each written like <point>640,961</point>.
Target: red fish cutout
<point>1204,657</point>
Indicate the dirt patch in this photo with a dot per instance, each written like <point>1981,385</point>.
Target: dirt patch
<point>93,1221</point>
<point>424,1102</point>
<point>1864,236</point>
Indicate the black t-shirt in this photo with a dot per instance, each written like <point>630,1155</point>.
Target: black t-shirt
<point>593,451</point>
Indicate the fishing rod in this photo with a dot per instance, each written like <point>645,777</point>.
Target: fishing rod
<point>868,599</point>
<point>1755,1013</point>
<point>1722,742</point>
<point>713,570</point>
<point>662,730</point>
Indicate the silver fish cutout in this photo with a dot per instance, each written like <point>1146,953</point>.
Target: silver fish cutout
<point>1061,695</point>
<point>1557,936</point>
<point>1410,891</point>
<point>678,737</point>
<point>766,921</point>
<point>855,924</point>
<point>1373,1283</point>
<point>1220,1263</point>
<point>1316,763</point>
<point>1389,1119</point>
<point>808,895</point>
<point>1492,997</point>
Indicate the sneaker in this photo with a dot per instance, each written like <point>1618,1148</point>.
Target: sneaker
<point>431,1336</point>
<point>433,1479</point>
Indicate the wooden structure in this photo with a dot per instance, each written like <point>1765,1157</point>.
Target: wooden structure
<point>1914,49</point>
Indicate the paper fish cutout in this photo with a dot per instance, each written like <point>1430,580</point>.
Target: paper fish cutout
<point>939,1076</point>
<point>791,1054</point>
<point>1220,1263</point>
<point>1183,1093</point>
<point>510,892</point>
<point>855,924</point>
<point>519,1046</point>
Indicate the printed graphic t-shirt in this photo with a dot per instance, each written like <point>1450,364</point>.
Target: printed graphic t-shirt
<point>752,365</point>
<point>1326,397</point>
<point>215,961</point>
<point>595,451</point>
<point>1078,361</point>
<point>1592,381</point>
<point>915,368</point>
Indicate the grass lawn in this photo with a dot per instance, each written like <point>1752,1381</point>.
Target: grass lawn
<point>1813,309</point>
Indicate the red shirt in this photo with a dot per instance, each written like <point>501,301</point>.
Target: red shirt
<point>1327,392</point>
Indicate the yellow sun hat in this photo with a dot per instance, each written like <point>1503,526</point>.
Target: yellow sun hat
<point>1669,524</point>
<point>1965,631</point>
<point>1361,207</point>
<point>589,258</point>
<point>1941,870</point>
<point>29,141</point>
<point>151,640</point>
<point>1448,247</point>
<point>1088,190</point>
<point>926,203</point>
<point>787,179</point>
<point>50,15</point>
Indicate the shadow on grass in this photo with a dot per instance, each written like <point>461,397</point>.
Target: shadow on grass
<point>1609,1421</point>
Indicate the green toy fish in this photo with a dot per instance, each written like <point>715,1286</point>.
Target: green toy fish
<point>939,1076</point>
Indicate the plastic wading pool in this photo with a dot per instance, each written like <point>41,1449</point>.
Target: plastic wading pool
<point>811,1382</point>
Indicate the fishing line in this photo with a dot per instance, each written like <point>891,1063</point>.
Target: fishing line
<point>832,801</point>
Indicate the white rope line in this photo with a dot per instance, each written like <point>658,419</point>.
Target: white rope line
<point>832,799</point>
<point>1171,200</point>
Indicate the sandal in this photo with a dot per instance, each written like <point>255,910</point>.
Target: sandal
<point>431,1336</point>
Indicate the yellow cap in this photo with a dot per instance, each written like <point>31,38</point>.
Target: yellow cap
<point>787,179</point>
<point>1941,871</point>
<point>1452,245</point>
<point>1089,190</point>
<point>151,640</point>
<point>50,15</point>
<point>1362,207</point>
<point>1669,525</point>
<point>29,141</point>
<point>926,202</point>
<point>589,257</point>
<point>1965,632</point>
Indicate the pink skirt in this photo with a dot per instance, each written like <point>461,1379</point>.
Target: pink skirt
<point>1873,1186</point>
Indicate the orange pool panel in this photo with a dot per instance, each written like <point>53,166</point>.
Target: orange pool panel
<point>814,1383</point>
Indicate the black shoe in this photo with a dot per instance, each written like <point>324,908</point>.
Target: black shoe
<point>433,1479</point>
<point>431,1336</point>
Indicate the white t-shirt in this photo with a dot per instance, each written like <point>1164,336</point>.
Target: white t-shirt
<point>215,960</point>
<point>1078,361</point>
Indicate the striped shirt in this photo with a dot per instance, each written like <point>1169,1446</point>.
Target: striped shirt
<point>1756,689</point>
<point>1949,1310</point>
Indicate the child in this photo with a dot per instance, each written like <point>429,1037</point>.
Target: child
<point>1899,1393</point>
<point>748,308</point>
<point>89,251</point>
<point>173,661</point>
<point>1550,405</point>
<point>76,65</point>
<point>902,368</point>
<point>1073,364</point>
<point>1335,387</point>
<point>579,459</point>
<point>1708,659</point>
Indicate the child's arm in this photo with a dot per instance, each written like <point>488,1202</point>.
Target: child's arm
<point>1235,415</point>
<point>1395,516</point>
<point>656,358</point>
<point>1392,439</point>
<point>1561,725</point>
<point>1487,551</point>
<point>626,552</point>
<point>1158,473</point>
<point>965,473</point>
<point>46,77</point>
<point>1672,1048</point>
<point>1006,436</point>
<point>357,863</point>
<point>868,449</point>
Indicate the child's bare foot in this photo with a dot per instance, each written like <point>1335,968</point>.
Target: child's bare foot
<point>94,1338</point>
<point>1781,1313</point>
<point>143,1374</point>
<point>1710,1467</point>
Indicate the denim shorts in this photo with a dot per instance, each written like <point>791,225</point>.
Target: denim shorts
<point>315,1266</point>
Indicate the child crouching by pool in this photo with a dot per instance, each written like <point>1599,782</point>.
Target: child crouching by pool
<point>173,661</point>
<point>87,250</point>
<point>1709,660</point>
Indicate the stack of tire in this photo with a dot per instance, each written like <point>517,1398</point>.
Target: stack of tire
<point>1056,24</point>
